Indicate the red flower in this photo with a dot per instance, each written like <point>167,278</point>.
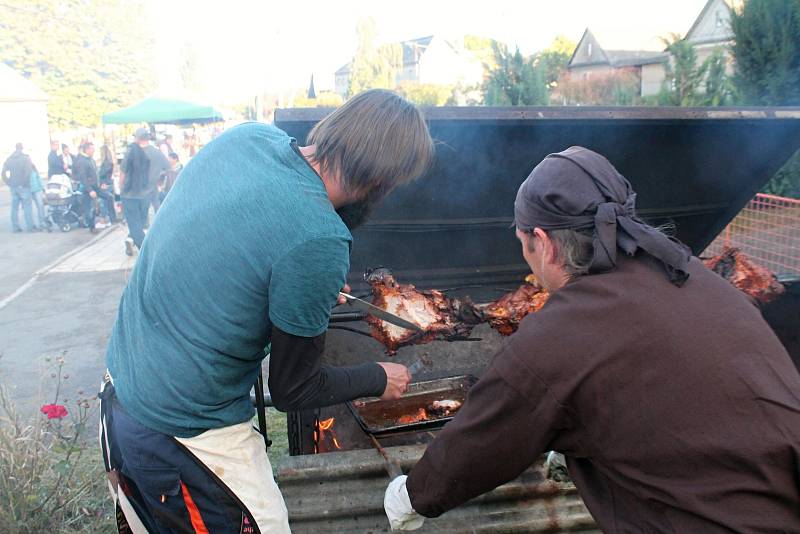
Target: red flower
<point>54,411</point>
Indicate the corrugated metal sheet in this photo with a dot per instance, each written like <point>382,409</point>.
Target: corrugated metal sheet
<point>342,492</point>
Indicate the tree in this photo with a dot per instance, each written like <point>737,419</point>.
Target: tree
<point>86,54</point>
<point>718,87</point>
<point>516,81</point>
<point>767,55</point>
<point>767,52</point>
<point>374,67</point>
<point>483,48</point>
<point>426,94</point>
<point>555,57</point>
<point>684,77</point>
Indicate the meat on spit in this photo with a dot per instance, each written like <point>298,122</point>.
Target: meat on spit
<point>439,316</point>
<point>443,317</point>
<point>745,275</point>
<point>505,314</point>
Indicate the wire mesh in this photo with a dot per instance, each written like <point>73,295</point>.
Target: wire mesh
<point>768,231</point>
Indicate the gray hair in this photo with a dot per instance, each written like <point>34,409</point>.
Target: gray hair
<point>574,249</point>
<point>374,142</point>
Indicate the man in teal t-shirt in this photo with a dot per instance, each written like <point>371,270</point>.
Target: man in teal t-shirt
<point>250,248</point>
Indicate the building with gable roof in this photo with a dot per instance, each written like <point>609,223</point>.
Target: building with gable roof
<point>23,116</point>
<point>710,30</point>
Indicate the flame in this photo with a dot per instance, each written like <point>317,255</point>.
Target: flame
<point>421,415</point>
<point>325,430</point>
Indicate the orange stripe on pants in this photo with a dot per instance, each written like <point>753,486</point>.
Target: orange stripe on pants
<point>194,514</point>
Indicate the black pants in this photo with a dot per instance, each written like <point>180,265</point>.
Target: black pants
<point>170,489</point>
<point>135,210</point>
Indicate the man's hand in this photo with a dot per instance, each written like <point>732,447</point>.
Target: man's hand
<point>346,289</point>
<point>92,194</point>
<point>398,507</point>
<point>397,379</point>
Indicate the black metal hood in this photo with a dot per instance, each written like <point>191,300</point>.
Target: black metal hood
<point>691,167</point>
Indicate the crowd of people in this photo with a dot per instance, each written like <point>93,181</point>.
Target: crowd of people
<point>146,174</point>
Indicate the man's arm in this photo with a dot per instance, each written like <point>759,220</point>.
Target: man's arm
<point>509,419</point>
<point>304,286</point>
<point>78,170</point>
<point>297,379</point>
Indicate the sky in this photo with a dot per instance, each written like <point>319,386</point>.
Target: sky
<point>251,46</point>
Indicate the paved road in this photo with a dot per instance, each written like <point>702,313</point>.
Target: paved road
<point>21,255</point>
<point>69,307</point>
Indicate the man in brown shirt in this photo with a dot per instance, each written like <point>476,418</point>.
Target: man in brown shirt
<point>675,404</point>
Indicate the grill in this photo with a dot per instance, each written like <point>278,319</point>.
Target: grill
<point>693,170</point>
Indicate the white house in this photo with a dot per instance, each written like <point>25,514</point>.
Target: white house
<point>429,60</point>
<point>23,117</point>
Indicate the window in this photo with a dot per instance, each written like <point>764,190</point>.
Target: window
<point>719,22</point>
<point>589,50</point>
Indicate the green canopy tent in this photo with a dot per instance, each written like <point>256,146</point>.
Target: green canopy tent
<point>164,111</point>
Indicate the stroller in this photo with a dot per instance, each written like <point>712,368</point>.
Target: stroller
<point>63,202</point>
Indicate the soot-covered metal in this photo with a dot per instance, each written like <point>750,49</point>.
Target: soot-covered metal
<point>692,167</point>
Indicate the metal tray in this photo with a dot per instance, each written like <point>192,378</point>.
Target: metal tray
<point>378,416</point>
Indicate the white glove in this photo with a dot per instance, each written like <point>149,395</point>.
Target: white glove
<point>398,506</point>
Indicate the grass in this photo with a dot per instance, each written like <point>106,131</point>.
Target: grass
<point>278,433</point>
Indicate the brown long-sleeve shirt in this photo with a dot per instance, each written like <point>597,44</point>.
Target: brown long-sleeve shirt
<point>677,408</point>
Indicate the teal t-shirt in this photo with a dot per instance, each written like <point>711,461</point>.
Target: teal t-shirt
<point>245,240</point>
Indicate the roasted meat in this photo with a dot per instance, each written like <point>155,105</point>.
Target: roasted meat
<point>435,410</point>
<point>439,316</point>
<point>745,275</point>
<point>505,314</point>
<point>443,408</point>
<point>416,417</point>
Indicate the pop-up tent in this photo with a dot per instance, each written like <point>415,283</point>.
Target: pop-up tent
<point>164,111</point>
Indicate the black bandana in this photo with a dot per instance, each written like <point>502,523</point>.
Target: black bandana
<point>580,189</point>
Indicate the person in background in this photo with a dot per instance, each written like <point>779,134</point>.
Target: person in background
<point>135,191</point>
<point>106,177</point>
<point>37,195</point>
<point>66,161</point>
<point>175,168</point>
<point>17,176</point>
<point>85,173</point>
<point>54,164</point>
<point>165,146</point>
<point>157,165</point>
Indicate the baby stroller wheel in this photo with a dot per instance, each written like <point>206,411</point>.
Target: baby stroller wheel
<point>66,227</point>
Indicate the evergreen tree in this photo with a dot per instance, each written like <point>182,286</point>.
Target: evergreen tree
<point>767,52</point>
<point>718,90</point>
<point>684,77</point>
<point>516,81</point>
